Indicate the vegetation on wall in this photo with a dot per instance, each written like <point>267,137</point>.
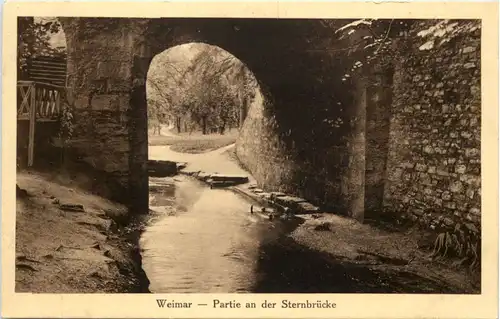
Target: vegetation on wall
<point>383,41</point>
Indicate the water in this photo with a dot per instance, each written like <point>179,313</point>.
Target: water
<point>209,243</point>
<point>206,241</point>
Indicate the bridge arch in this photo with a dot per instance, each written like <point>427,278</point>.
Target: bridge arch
<point>299,74</point>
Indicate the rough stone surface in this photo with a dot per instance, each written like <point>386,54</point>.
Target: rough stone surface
<point>441,139</point>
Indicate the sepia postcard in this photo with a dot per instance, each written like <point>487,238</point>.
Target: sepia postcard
<point>250,160</point>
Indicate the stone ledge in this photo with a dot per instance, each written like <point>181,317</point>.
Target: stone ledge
<point>283,203</point>
<point>217,180</point>
<point>162,168</point>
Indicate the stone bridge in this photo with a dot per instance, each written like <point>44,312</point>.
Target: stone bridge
<point>341,142</point>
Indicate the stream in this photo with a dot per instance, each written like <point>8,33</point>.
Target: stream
<point>203,240</point>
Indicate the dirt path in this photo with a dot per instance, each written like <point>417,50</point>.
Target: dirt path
<point>70,251</point>
<point>216,161</point>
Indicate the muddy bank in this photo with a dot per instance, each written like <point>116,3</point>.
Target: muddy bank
<point>346,257</point>
<point>71,241</point>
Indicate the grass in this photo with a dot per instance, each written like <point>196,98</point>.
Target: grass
<point>196,142</point>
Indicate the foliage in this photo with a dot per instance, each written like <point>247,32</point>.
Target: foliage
<point>34,39</point>
<point>462,243</point>
<point>382,41</point>
<point>207,91</point>
<point>66,123</point>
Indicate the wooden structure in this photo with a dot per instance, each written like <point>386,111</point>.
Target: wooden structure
<point>47,69</point>
<point>38,102</point>
<point>40,93</point>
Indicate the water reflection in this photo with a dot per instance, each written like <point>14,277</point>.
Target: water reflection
<point>209,245</point>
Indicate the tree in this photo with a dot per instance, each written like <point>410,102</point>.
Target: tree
<point>206,91</point>
<point>34,39</point>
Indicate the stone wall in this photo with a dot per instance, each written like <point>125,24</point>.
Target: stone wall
<point>434,159</point>
<point>261,151</point>
<point>100,80</point>
<point>412,146</point>
<point>410,141</point>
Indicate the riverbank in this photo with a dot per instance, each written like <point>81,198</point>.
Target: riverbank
<point>193,143</point>
<point>71,241</point>
<point>377,257</point>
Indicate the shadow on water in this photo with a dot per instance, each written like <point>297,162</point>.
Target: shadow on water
<point>284,266</point>
<point>206,241</point>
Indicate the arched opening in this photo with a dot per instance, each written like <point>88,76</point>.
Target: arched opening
<point>41,88</point>
<point>198,96</point>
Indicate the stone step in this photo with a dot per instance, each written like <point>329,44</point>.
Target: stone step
<point>181,166</point>
<point>307,208</point>
<point>161,168</point>
<point>278,194</point>
<point>203,176</point>
<point>230,178</point>
<point>289,201</point>
<point>218,184</point>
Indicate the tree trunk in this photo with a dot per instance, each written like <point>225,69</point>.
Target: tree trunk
<point>222,128</point>
<point>204,125</point>
<point>178,124</point>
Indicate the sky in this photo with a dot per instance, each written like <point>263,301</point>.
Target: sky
<point>57,39</point>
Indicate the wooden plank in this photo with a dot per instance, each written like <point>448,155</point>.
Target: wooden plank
<point>50,58</point>
<point>39,83</point>
<point>45,79</point>
<point>48,69</point>
<point>39,65</point>
<point>53,73</point>
<point>32,124</point>
<point>47,62</point>
<point>58,102</point>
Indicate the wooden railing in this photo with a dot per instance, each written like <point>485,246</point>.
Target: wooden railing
<point>38,101</point>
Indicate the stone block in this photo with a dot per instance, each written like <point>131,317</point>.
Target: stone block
<point>307,208</point>
<point>460,169</point>
<point>289,201</point>
<point>114,70</point>
<point>446,196</point>
<point>230,178</point>
<point>468,50</point>
<point>421,167</point>
<point>475,211</point>
<point>456,187</point>
<point>119,85</point>
<point>105,102</point>
<point>162,168</point>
